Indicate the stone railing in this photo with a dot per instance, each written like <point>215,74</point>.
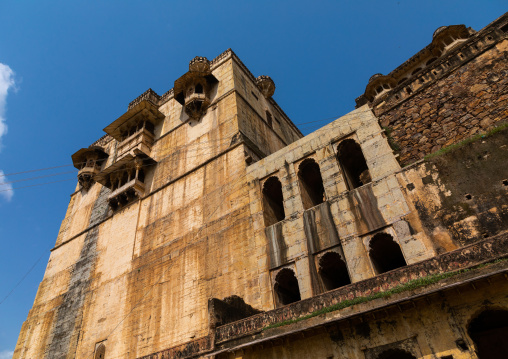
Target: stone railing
<point>476,253</point>
<point>135,186</point>
<point>149,95</point>
<point>142,140</point>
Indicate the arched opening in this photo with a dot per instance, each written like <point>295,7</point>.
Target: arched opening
<point>489,331</point>
<point>353,164</point>
<point>416,70</point>
<point>286,287</point>
<point>100,352</point>
<point>273,202</point>
<point>198,88</point>
<point>396,354</point>
<point>311,183</point>
<point>333,271</point>
<point>385,253</point>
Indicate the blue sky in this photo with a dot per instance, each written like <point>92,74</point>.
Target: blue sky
<point>69,68</point>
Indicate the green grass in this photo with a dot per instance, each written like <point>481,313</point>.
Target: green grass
<point>474,138</point>
<point>394,145</point>
<point>410,285</point>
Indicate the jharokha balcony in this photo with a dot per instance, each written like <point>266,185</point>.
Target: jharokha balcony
<point>125,178</point>
<point>89,162</point>
<point>134,130</point>
<point>140,141</point>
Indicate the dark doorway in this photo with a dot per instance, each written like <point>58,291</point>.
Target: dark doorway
<point>385,253</point>
<point>396,354</point>
<point>333,271</point>
<point>286,287</point>
<point>311,183</point>
<point>353,164</point>
<point>273,202</point>
<point>489,332</point>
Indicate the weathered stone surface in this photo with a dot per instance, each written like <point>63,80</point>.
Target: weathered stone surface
<point>236,204</point>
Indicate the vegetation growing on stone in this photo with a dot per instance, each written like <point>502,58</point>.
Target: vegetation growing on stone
<point>410,285</point>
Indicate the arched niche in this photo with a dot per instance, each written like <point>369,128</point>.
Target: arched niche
<point>333,271</point>
<point>489,332</point>
<point>385,253</point>
<point>353,164</point>
<point>286,287</point>
<point>311,183</point>
<point>273,201</point>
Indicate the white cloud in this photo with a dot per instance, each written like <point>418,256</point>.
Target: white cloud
<point>7,193</point>
<point>6,354</point>
<point>6,83</point>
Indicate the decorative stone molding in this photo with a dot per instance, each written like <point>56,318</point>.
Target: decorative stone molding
<point>88,161</point>
<point>266,85</point>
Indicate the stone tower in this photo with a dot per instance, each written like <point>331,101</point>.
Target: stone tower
<point>204,225</point>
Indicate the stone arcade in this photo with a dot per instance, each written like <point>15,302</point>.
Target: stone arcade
<point>204,225</point>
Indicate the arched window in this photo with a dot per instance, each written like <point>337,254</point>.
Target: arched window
<point>198,88</point>
<point>311,183</point>
<point>100,352</point>
<point>353,164</point>
<point>333,271</point>
<point>489,331</point>
<point>286,287</point>
<point>273,202</point>
<point>385,253</point>
<point>396,354</point>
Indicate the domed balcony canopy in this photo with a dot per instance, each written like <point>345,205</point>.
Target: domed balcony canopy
<point>81,157</point>
<point>445,36</point>
<point>265,85</point>
<point>379,83</point>
<point>192,89</point>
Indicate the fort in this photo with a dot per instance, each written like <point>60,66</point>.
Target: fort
<point>205,225</point>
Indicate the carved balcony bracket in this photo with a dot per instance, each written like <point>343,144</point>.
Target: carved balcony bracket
<point>89,162</point>
<point>192,90</point>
